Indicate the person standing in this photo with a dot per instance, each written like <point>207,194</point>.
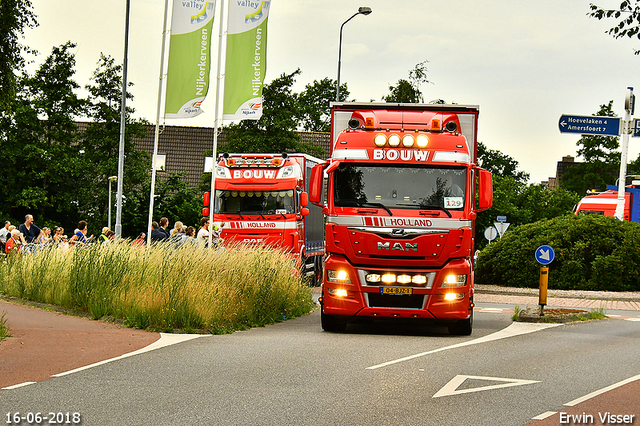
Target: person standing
<point>203,232</point>
<point>5,234</point>
<point>14,242</point>
<point>164,223</point>
<point>29,230</point>
<point>157,233</point>
<point>80,237</point>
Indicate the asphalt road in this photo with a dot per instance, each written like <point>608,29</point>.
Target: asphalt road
<point>294,373</point>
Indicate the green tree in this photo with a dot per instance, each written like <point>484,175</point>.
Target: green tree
<point>99,149</point>
<point>601,160</point>
<point>39,169</point>
<point>500,164</point>
<point>409,90</point>
<point>314,103</point>
<point>275,131</point>
<point>15,16</point>
<point>629,19</point>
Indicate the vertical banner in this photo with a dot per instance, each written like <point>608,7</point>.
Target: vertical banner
<point>246,61</point>
<point>189,57</point>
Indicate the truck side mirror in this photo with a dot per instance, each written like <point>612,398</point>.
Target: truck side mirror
<point>304,212</point>
<point>315,184</point>
<point>485,190</point>
<point>304,199</point>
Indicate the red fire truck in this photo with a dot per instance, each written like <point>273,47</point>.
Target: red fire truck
<point>402,193</point>
<point>263,199</point>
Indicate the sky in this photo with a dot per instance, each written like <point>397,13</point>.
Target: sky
<point>524,63</point>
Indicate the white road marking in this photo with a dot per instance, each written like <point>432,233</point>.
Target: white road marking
<point>632,319</point>
<point>515,329</point>
<point>491,309</point>
<point>18,385</point>
<point>164,341</point>
<point>544,415</point>
<point>450,388</point>
<point>601,391</point>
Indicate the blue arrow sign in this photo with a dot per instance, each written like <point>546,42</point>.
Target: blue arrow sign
<point>589,125</point>
<point>545,255</point>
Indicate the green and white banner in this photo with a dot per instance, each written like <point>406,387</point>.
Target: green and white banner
<point>189,57</point>
<point>246,61</point>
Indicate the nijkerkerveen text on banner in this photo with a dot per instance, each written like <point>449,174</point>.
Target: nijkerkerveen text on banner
<point>246,59</point>
<point>189,57</point>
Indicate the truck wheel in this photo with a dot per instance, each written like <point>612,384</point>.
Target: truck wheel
<point>331,323</point>
<point>462,327</point>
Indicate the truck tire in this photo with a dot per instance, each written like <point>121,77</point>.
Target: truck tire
<point>462,327</point>
<point>331,323</point>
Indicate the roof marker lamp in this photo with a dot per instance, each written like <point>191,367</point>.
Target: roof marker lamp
<point>422,141</point>
<point>407,141</point>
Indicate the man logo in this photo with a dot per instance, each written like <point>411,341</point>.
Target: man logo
<point>398,246</point>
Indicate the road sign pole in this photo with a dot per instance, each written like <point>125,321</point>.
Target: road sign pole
<point>622,181</point>
<point>544,283</point>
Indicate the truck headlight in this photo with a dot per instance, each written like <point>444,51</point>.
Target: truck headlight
<point>453,280</point>
<point>339,276</point>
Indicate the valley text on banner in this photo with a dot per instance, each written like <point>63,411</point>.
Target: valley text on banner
<point>189,57</point>
<point>246,60</point>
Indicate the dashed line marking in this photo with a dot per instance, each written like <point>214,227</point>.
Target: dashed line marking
<point>544,415</point>
<point>19,385</point>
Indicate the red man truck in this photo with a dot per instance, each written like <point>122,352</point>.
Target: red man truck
<point>402,194</point>
<point>263,199</point>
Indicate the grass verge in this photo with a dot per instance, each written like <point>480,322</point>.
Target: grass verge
<point>163,288</point>
<point>4,329</point>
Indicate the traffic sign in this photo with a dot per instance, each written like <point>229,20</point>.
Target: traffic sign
<point>636,128</point>
<point>501,227</point>
<point>590,125</point>
<point>502,219</point>
<point>545,255</point>
<point>490,233</point>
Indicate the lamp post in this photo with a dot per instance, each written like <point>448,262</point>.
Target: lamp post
<point>361,11</point>
<point>111,179</point>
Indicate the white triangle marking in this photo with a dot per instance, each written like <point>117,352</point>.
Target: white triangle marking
<point>450,388</point>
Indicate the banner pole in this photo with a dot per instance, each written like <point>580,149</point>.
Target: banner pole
<point>157,129</point>
<point>217,120</point>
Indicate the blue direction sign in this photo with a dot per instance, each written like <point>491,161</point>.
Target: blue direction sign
<point>545,255</point>
<point>589,125</point>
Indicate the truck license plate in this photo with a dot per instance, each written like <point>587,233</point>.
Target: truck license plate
<point>396,290</point>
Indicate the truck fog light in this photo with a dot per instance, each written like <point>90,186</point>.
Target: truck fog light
<point>404,279</point>
<point>338,292</point>
<point>419,279</point>
<point>394,140</point>
<point>450,297</point>
<point>373,278</point>
<point>380,140</point>
<point>389,278</point>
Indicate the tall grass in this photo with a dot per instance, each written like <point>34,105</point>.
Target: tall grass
<point>4,329</point>
<point>163,287</point>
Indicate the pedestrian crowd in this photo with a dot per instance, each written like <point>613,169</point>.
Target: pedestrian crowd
<point>29,236</point>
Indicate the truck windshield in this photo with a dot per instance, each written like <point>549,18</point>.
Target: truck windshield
<point>255,202</point>
<point>441,188</point>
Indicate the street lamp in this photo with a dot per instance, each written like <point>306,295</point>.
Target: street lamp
<point>111,179</point>
<point>361,11</point>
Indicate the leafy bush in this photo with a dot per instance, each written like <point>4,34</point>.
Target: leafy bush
<point>593,252</point>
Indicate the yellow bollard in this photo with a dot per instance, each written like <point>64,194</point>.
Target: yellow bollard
<point>544,282</point>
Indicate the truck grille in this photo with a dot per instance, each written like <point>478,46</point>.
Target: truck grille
<point>414,301</point>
